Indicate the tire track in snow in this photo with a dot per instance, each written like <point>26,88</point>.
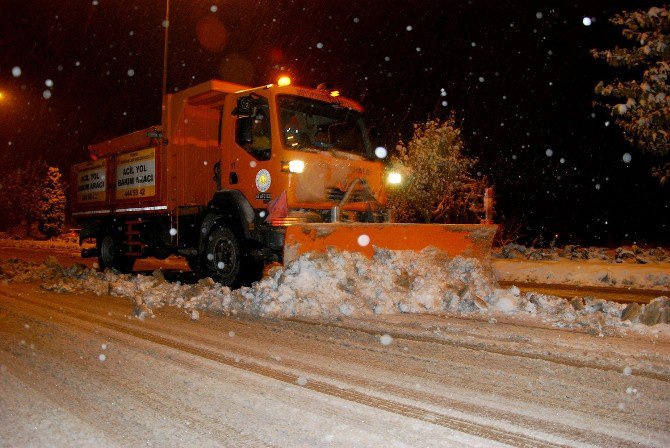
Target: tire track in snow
<point>160,403</point>
<point>484,347</point>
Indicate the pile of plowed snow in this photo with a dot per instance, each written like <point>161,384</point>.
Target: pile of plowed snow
<point>344,284</point>
<point>624,254</point>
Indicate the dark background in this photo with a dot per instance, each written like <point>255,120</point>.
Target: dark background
<point>536,95</point>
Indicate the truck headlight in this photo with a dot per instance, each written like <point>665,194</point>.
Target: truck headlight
<point>294,166</point>
<point>394,178</point>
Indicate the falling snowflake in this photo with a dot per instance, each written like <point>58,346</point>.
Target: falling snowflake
<point>173,231</point>
<point>363,240</point>
<point>301,381</point>
<point>381,152</point>
<point>213,8</point>
<point>131,72</point>
<point>49,83</point>
<point>409,28</point>
<point>539,15</point>
<point>220,265</point>
<point>586,21</point>
<point>102,357</point>
<point>481,79</point>
<point>386,339</point>
<point>549,152</point>
<point>46,94</point>
<point>627,158</point>
<point>319,45</point>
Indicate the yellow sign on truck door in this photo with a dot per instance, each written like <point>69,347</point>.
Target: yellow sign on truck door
<point>136,174</point>
<point>91,186</point>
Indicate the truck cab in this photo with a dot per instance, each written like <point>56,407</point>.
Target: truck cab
<point>223,176</point>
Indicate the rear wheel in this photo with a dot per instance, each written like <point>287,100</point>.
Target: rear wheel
<point>222,257</point>
<point>111,256</point>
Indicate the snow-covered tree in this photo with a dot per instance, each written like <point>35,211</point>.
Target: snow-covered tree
<point>52,204</point>
<point>437,186</point>
<point>19,195</point>
<point>641,106</point>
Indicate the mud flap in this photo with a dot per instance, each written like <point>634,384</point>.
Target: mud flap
<point>468,240</point>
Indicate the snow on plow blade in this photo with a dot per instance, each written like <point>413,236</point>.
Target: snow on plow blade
<point>468,240</point>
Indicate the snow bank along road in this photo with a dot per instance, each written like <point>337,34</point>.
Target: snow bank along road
<point>79,370</point>
<point>565,279</point>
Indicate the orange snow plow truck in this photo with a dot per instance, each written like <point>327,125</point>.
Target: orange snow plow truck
<point>237,177</point>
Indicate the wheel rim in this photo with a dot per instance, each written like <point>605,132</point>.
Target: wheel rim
<point>107,250</point>
<point>225,252</point>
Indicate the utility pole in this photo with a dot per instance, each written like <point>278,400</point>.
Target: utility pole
<point>166,25</point>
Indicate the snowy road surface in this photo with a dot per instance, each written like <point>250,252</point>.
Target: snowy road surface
<point>77,370</point>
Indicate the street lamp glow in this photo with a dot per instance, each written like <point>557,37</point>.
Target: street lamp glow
<point>284,81</point>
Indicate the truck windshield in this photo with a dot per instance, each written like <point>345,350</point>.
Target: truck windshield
<point>317,125</point>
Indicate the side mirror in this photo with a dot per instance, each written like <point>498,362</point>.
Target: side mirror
<point>243,134</point>
<point>247,105</point>
<point>244,106</point>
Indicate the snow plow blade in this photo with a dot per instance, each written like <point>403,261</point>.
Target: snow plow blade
<point>467,240</point>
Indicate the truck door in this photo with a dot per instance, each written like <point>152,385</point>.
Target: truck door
<point>248,169</point>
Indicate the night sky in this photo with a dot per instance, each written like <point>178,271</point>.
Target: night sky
<point>518,75</point>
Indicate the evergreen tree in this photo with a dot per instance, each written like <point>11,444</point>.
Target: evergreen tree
<point>438,186</point>
<point>52,204</point>
<point>641,106</point>
<point>19,195</point>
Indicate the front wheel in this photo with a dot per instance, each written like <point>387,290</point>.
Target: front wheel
<point>222,257</point>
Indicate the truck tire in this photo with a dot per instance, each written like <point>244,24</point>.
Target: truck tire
<point>222,256</point>
<point>111,256</point>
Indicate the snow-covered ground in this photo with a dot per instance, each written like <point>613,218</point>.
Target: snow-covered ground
<point>331,350</point>
<point>79,370</point>
<point>64,242</point>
